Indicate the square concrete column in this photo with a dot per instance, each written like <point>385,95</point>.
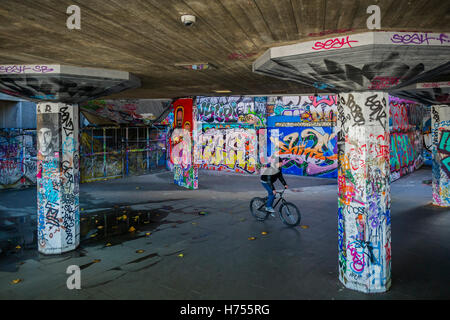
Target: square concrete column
<point>364,224</point>
<point>58,177</point>
<point>440,135</point>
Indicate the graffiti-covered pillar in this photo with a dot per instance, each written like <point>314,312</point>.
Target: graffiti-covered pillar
<point>364,230</point>
<point>58,177</point>
<point>440,126</point>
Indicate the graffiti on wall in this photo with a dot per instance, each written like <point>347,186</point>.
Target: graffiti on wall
<point>444,150</point>
<point>364,238</point>
<point>306,151</point>
<point>229,150</point>
<point>17,158</point>
<point>181,145</point>
<point>229,129</point>
<point>441,155</point>
<point>302,127</point>
<point>406,153</point>
<point>235,109</point>
<point>308,108</point>
<point>426,131</point>
<point>407,137</point>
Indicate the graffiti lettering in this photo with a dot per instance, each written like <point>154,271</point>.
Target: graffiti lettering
<point>335,43</point>
<point>25,68</point>
<point>419,38</point>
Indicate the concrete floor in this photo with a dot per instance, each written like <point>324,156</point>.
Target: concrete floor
<point>191,256</point>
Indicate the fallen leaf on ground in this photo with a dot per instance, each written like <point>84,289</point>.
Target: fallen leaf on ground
<point>16,281</point>
<point>140,251</point>
<point>251,238</point>
<point>181,255</point>
<point>264,233</point>
<point>304,227</point>
<point>18,247</point>
<point>148,233</point>
<point>94,235</point>
<point>108,244</point>
<point>100,227</point>
<point>132,229</point>
<point>96,260</point>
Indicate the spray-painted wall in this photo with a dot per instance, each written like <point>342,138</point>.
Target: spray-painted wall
<point>231,134</point>
<point>427,141</point>
<point>303,127</point>
<point>441,154</point>
<point>181,144</point>
<point>406,129</point>
<point>17,158</point>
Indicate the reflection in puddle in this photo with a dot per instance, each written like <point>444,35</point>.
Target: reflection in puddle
<point>110,227</point>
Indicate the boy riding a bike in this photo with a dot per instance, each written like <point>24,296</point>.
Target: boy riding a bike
<point>269,175</point>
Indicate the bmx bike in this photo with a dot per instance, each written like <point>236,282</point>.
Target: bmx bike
<point>288,212</point>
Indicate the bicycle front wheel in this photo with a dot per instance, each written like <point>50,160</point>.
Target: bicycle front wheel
<point>290,214</point>
<point>257,209</point>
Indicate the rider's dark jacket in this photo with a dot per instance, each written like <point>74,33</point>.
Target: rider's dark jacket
<point>271,178</point>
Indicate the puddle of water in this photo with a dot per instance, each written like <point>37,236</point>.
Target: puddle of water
<point>109,227</point>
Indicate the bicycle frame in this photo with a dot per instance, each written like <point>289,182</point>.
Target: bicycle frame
<point>276,203</point>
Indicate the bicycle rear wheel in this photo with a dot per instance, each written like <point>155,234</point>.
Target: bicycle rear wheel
<point>257,208</point>
<point>290,214</point>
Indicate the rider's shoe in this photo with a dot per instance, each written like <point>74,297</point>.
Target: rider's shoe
<point>270,210</point>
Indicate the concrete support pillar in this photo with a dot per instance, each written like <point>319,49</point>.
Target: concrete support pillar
<point>58,177</point>
<point>364,227</point>
<point>440,135</point>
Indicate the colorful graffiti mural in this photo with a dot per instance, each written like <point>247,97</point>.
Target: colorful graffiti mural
<point>230,150</point>
<point>229,129</point>
<point>302,127</point>
<point>441,155</point>
<point>427,141</point>
<point>306,151</point>
<point>234,109</point>
<point>17,158</point>
<point>407,137</point>
<point>364,224</point>
<point>308,108</point>
<point>181,144</point>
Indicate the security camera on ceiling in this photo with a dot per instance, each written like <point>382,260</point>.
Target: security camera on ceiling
<point>188,20</point>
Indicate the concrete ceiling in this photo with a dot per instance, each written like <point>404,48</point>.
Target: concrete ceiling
<point>147,38</point>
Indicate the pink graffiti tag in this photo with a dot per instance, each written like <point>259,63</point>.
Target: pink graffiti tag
<point>328,100</point>
<point>335,43</point>
<point>357,258</point>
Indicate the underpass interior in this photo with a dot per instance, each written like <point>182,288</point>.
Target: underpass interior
<point>131,148</point>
